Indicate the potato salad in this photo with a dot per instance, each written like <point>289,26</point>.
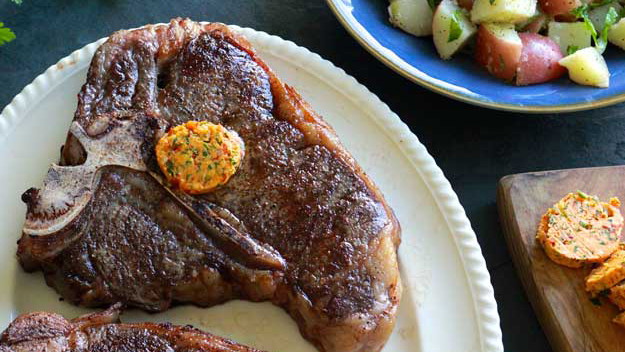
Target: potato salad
<point>521,41</point>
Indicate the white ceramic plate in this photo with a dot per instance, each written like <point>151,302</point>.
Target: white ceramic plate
<point>448,305</point>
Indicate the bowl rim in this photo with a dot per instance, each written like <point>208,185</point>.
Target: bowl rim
<point>352,25</point>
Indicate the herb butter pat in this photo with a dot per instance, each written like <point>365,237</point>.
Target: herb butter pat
<point>198,157</point>
<point>579,230</point>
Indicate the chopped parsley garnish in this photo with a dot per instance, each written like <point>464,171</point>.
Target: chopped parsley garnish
<point>6,34</point>
<point>599,39</point>
<point>170,167</point>
<point>455,31</point>
<point>610,19</point>
<point>571,49</point>
<point>582,13</point>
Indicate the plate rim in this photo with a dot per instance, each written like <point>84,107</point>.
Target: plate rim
<point>365,39</point>
<point>469,250</point>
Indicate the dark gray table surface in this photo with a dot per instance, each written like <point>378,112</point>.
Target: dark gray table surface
<point>474,146</point>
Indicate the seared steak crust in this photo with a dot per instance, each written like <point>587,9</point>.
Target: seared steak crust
<point>298,224</point>
<point>101,332</point>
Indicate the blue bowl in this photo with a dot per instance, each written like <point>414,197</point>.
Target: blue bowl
<point>461,78</point>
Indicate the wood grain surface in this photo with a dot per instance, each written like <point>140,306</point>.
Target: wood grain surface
<point>570,320</point>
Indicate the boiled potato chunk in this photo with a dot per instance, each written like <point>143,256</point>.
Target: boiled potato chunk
<point>616,35</point>
<point>503,11</point>
<point>597,16</point>
<point>587,67</point>
<point>451,28</point>
<point>498,48</point>
<point>539,60</point>
<point>412,16</point>
<point>569,34</point>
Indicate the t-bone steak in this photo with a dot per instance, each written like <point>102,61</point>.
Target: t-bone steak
<point>299,224</point>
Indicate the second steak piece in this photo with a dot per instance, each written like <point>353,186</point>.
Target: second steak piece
<point>298,224</point>
<point>102,332</point>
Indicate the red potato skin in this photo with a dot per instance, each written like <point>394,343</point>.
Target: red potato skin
<point>539,60</point>
<point>498,56</point>
<point>559,7</point>
<point>466,4</point>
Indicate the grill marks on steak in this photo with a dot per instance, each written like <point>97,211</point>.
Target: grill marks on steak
<point>298,224</point>
<point>102,332</point>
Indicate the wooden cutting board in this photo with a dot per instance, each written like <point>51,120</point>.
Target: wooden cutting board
<point>570,320</point>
